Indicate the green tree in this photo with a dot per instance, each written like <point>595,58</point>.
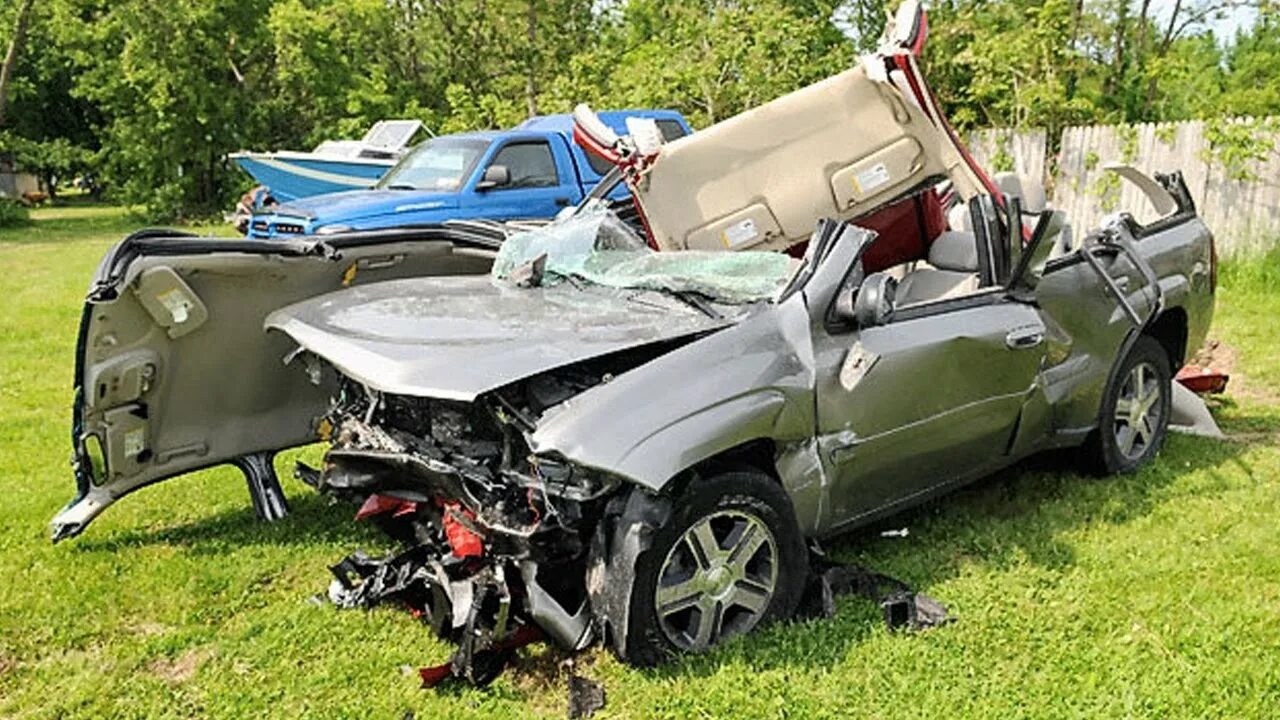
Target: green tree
<point>47,130</point>
<point>17,40</point>
<point>1007,64</point>
<point>179,84</point>
<point>710,60</point>
<point>1252,82</point>
<point>153,95</point>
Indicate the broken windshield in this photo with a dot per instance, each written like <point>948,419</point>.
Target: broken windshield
<point>596,246</point>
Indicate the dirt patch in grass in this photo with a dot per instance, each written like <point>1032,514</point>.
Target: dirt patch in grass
<point>1217,356</point>
<point>147,628</point>
<point>1220,357</point>
<point>176,671</point>
<point>541,677</point>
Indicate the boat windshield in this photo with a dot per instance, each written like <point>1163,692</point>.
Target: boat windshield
<point>438,164</point>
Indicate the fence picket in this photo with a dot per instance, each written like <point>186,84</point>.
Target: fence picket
<point>1244,214</point>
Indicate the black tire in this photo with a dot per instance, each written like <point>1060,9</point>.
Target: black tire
<point>1105,451</point>
<point>726,499</point>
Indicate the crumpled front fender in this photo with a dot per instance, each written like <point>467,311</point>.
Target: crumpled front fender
<point>748,382</point>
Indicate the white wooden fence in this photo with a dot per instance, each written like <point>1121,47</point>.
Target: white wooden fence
<point>1021,151</point>
<point>1240,201</point>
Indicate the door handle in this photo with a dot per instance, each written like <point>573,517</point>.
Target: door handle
<point>1023,338</point>
<point>562,201</point>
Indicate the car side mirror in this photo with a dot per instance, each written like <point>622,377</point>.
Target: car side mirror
<point>495,176</point>
<point>869,305</point>
<point>875,300</point>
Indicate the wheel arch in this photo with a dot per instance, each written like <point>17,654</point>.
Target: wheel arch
<point>1170,330</point>
<point>741,429</point>
<point>756,454</point>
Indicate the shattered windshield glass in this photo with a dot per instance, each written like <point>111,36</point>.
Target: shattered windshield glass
<point>595,246</point>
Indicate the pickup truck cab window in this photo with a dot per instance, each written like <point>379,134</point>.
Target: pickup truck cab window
<point>530,165</point>
<point>437,164</point>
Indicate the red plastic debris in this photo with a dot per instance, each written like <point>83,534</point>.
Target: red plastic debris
<point>524,635</point>
<point>1202,380</point>
<point>462,540</point>
<point>431,676</point>
<point>380,504</point>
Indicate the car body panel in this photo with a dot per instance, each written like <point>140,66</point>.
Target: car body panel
<point>162,405</point>
<point>678,416</point>
<point>903,439</point>
<point>458,337</point>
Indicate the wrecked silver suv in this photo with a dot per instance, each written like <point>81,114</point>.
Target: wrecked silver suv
<point>574,431</point>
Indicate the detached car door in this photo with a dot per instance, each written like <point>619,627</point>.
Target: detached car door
<point>174,371</point>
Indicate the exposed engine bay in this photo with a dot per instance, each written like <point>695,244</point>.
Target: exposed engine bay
<point>497,537</point>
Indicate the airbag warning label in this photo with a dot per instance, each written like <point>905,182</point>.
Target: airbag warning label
<point>740,234</point>
<point>873,177</point>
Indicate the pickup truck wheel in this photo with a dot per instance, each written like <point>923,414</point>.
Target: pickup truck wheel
<point>730,558</point>
<point>1135,410</point>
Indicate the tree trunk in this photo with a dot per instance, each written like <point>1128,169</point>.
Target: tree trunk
<point>1074,68</point>
<point>1165,42</point>
<point>531,79</point>
<point>11,57</point>
<point>1119,63</point>
<point>1142,53</point>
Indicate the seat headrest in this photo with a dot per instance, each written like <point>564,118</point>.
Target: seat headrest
<point>1034,198</point>
<point>959,219</point>
<point>1009,183</point>
<point>1024,187</point>
<point>955,251</point>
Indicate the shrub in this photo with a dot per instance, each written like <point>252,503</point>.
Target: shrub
<point>12,213</point>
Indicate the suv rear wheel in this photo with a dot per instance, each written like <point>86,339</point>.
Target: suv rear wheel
<point>1134,416</point>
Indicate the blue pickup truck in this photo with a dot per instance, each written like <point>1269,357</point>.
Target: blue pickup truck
<point>531,171</point>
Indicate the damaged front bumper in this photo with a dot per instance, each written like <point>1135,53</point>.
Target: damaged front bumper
<point>497,538</point>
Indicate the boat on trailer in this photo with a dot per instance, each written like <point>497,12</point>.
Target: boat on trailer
<point>334,165</point>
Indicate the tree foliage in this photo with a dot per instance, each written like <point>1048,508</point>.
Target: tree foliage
<point>151,96</point>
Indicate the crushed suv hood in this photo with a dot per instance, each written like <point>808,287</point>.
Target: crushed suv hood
<point>457,337</point>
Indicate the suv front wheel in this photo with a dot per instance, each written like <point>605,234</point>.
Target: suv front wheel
<point>729,559</point>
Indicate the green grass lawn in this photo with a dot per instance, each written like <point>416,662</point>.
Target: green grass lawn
<point>1156,594</point>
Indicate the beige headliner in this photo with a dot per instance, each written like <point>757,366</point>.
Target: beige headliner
<point>762,179</point>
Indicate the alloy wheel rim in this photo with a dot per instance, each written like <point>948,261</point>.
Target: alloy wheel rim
<point>1138,411</point>
<point>717,580</point>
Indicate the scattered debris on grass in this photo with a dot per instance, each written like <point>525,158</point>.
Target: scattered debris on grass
<point>1215,355</point>
<point>585,697</point>
<point>903,607</point>
<point>407,578</point>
